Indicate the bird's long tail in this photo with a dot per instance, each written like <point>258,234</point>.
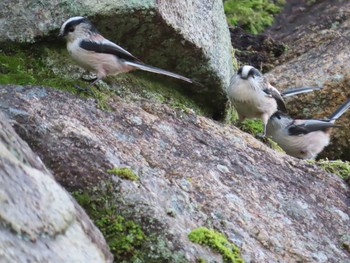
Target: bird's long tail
<point>299,90</point>
<point>158,71</point>
<point>340,111</point>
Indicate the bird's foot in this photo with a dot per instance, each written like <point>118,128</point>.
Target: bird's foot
<point>83,90</point>
<point>261,137</point>
<point>88,78</point>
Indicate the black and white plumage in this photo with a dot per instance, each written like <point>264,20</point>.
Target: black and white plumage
<point>254,97</point>
<point>303,139</point>
<point>97,54</point>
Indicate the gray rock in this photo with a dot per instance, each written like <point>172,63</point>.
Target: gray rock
<point>187,37</point>
<point>193,172</point>
<point>40,222</point>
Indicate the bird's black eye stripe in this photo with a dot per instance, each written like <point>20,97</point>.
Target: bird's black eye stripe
<point>70,27</point>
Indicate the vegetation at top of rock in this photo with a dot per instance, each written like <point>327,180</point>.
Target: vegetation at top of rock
<point>25,65</point>
<point>252,126</point>
<point>338,167</point>
<point>49,65</point>
<point>123,236</point>
<point>218,242</point>
<point>252,15</point>
<point>124,173</point>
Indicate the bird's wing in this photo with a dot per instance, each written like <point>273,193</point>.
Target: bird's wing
<point>307,126</point>
<point>274,93</point>
<point>108,47</point>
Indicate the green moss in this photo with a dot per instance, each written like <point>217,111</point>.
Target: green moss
<point>252,126</point>
<point>252,15</point>
<point>218,242</point>
<point>49,65</point>
<point>124,237</point>
<point>273,145</point>
<point>124,173</point>
<point>235,62</point>
<point>25,67</point>
<point>28,65</point>
<point>338,167</point>
<point>231,115</point>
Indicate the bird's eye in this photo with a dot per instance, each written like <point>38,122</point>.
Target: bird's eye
<point>71,29</point>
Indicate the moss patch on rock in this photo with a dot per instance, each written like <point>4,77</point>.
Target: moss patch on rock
<point>23,65</point>
<point>218,242</point>
<point>338,167</point>
<point>48,64</point>
<point>124,173</point>
<point>254,15</point>
<point>132,235</point>
<point>252,126</point>
<point>124,237</point>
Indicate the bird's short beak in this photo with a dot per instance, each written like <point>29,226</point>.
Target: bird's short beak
<point>60,35</point>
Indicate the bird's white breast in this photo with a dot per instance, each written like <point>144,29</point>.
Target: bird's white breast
<point>250,101</point>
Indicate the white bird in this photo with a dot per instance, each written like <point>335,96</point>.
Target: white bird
<point>97,54</point>
<point>254,97</point>
<point>303,139</point>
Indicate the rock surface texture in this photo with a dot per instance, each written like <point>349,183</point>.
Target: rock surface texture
<point>318,38</point>
<point>40,221</point>
<point>274,207</point>
<point>175,35</point>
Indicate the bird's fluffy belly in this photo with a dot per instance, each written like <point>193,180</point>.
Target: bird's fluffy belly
<point>253,108</point>
<point>306,146</point>
<point>250,102</point>
<point>104,64</point>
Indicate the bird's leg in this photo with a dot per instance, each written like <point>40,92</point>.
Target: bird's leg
<point>265,119</point>
<point>87,89</point>
<point>241,118</point>
<point>92,83</point>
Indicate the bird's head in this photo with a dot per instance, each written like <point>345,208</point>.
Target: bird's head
<point>76,27</point>
<point>248,71</point>
<point>279,120</point>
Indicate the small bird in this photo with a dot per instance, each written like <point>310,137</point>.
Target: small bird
<point>254,97</point>
<point>303,139</point>
<point>97,54</point>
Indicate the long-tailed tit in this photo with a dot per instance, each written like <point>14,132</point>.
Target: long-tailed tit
<point>95,53</point>
<point>303,139</point>
<point>254,97</point>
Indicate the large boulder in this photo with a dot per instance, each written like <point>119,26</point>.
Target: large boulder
<point>318,53</point>
<point>40,221</point>
<point>188,37</point>
<point>192,172</point>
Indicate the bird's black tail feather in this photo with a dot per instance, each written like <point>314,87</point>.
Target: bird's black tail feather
<point>340,111</point>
